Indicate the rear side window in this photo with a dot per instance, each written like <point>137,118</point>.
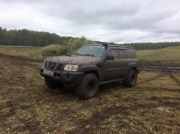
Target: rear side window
<point>121,54</point>
<point>113,52</point>
<point>118,53</point>
<point>131,53</point>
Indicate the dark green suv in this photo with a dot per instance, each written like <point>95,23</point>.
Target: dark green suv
<point>91,66</point>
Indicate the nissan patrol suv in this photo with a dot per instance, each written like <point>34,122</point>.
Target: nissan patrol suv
<point>91,66</point>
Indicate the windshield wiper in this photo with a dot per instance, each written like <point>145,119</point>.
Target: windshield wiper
<point>83,54</point>
<point>88,55</point>
<point>77,54</point>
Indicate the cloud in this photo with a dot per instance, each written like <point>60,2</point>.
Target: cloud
<point>104,20</point>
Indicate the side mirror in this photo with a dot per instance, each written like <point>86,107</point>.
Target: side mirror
<point>110,57</point>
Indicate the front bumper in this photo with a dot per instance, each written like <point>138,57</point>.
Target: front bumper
<point>63,77</point>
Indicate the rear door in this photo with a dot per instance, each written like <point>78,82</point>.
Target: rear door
<point>110,69</point>
<point>122,61</point>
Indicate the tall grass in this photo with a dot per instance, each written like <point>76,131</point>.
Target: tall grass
<point>164,56</point>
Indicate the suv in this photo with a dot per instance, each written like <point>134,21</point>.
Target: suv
<point>91,66</point>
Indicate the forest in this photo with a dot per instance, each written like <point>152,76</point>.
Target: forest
<point>25,37</point>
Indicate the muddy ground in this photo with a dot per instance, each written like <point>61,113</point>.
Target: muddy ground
<point>27,106</point>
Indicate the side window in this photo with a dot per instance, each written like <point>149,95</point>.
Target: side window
<point>121,54</point>
<point>131,53</point>
<point>113,52</point>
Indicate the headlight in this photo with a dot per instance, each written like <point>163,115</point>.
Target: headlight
<point>71,68</point>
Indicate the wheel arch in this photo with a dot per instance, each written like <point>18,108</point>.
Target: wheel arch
<point>95,72</point>
<point>134,68</point>
<point>132,65</point>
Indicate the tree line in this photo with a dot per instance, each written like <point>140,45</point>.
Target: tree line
<point>25,37</point>
<point>151,46</point>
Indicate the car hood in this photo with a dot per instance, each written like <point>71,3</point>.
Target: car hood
<point>75,60</point>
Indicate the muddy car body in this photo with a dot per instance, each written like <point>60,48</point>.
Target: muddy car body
<point>90,66</point>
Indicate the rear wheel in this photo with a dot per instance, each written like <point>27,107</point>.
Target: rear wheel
<point>131,78</point>
<point>88,87</point>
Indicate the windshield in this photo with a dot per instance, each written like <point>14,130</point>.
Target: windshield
<point>90,51</point>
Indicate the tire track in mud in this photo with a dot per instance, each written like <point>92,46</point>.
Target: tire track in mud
<point>17,58</point>
<point>174,78</point>
<point>155,89</point>
<point>93,124</point>
<point>13,106</point>
<point>33,125</point>
<point>161,68</point>
<point>20,61</point>
<point>13,103</point>
<point>153,78</point>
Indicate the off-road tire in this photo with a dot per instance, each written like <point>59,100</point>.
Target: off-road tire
<point>51,84</point>
<point>131,78</point>
<point>88,87</point>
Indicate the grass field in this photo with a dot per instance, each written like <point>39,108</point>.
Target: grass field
<point>166,56</point>
<point>27,106</point>
<point>29,52</point>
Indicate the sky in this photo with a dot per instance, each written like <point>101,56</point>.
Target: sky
<point>120,21</point>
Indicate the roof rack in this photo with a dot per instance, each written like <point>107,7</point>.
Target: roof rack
<point>112,45</point>
<point>107,45</point>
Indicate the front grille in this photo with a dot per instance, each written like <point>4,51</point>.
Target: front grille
<point>50,65</point>
<point>53,66</point>
<point>59,67</point>
<point>46,64</point>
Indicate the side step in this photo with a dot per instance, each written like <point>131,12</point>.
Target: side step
<point>109,81</point>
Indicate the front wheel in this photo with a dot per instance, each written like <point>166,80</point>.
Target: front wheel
<point>88,87</point>
<point>131,78</point>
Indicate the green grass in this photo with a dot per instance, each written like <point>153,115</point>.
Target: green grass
<point>166,56</point>
<point>30,52</point>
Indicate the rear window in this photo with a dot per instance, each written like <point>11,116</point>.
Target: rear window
<point>121,54</point>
